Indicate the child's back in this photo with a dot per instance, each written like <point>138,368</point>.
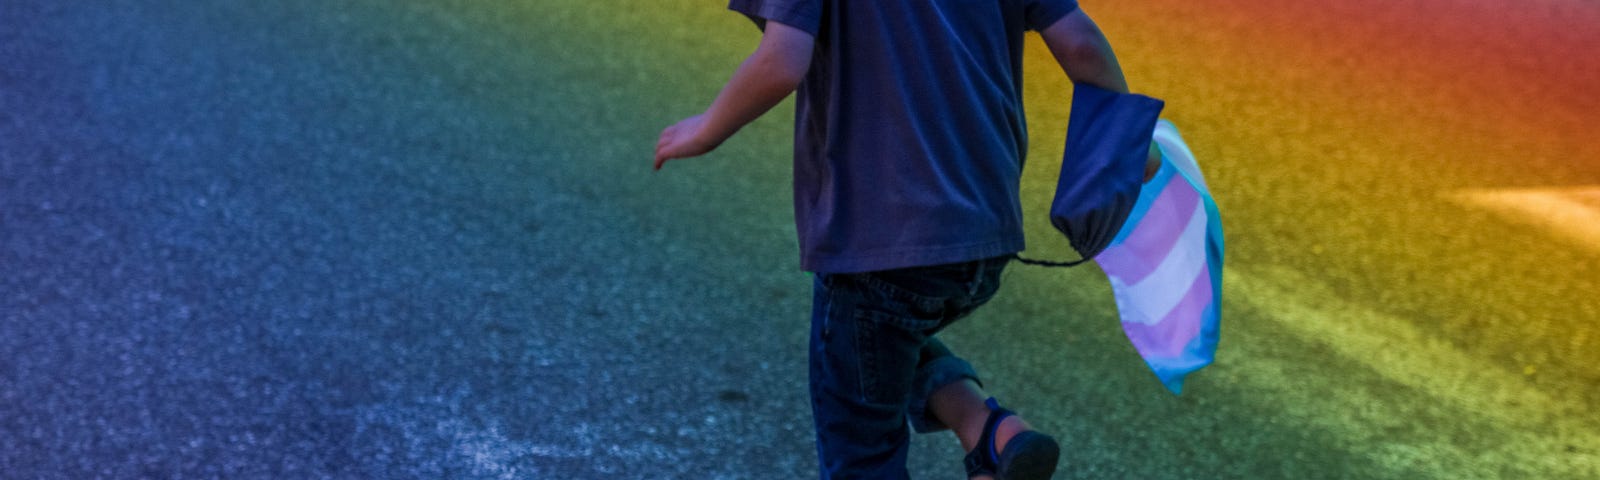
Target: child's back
<point>910,133</point>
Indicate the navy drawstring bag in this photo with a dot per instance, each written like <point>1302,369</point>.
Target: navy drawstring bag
<point>1102,167</point>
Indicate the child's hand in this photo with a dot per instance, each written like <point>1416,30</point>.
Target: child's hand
<point>685,139</point>
<point>1152,164</point>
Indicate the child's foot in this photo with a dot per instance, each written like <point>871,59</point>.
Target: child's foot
<point>999,444</point>
<point>1019,452</point>
<point>1009,427</point>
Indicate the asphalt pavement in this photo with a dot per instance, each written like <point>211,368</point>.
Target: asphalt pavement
<point>373,239</point>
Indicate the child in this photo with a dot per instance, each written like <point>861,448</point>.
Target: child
<point>909,145</point>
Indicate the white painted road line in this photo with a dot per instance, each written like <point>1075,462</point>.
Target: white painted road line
<point>1572,213</point>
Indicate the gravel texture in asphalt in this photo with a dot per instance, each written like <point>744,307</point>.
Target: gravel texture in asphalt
<point>372,239</point>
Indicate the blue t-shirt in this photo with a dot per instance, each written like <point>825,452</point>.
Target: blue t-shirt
<point>909,129</point>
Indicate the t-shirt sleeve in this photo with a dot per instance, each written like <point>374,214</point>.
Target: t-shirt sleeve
<point>1041,14</point>
<point>802,14</point>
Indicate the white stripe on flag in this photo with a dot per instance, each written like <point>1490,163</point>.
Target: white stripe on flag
<point>1162,290</point>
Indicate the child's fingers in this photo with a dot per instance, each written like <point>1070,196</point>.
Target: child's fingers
<point>663,153</point>
<point>661,158</point>
<point>661,147</point>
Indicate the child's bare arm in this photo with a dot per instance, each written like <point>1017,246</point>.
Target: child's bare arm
<point>1085,55</point>
<point>764,79</point>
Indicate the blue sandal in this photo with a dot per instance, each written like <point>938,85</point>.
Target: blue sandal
<point>1029,455</point>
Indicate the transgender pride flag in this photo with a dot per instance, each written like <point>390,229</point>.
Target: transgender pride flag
<point>1165,266</point>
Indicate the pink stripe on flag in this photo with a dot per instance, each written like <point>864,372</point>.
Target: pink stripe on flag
<point>1154,234</point>
<point>1168,337</point>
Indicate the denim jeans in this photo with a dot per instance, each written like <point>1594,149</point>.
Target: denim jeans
<point>875,360</point>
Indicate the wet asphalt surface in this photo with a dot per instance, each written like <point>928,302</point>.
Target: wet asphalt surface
<point>363,240</point>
